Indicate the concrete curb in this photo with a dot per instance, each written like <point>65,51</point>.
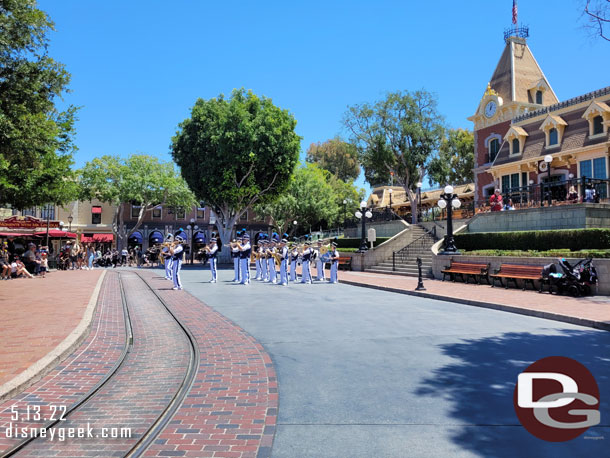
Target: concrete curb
<point>44,365</point>
<point>603,325</point>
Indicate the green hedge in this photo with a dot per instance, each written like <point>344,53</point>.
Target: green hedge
<point>542,254</point>
<point>570,240</point>
<point>355,243</point>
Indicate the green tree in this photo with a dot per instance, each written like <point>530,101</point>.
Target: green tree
<point>36,138</point>
<point>338,157</point>
<point>235,153</point>
<point>138,180</point>
<point>455,161</point>
<point>345,192</point>
<point>398,134</point>
<point>309,200</point>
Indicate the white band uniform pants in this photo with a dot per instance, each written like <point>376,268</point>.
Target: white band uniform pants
<point>176,266</point>
<point>272,273</point>
<point>168,268</point>
<point>334,267</point>
<point>245,270</point>
<point>293,270</point>
<point>213,268</point>
<point>236,269</point>
<point>284,272</point>
<point>306,274</point>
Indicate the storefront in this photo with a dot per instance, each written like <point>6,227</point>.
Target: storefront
<point>18,231</point>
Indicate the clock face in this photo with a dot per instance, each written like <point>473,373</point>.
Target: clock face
<point>490,109</point>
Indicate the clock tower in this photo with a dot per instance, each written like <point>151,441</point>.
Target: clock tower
<point>517,86</point>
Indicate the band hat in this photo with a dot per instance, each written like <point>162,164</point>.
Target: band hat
<point>334,244</point>
<point>179,238</point>
<point>284,241</point>
<point>169,237</point>
<point>212,240</point>
<point>246,236</point>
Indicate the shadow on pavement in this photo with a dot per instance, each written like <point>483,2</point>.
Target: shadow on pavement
<point>480,383</point>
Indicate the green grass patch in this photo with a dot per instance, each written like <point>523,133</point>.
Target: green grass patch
<point>541,254</point>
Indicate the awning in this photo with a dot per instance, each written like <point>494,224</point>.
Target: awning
<point>135,237</point>
<point>199,237</point>
<point>58,233</point>
<point>97,238</point>
<point>96,210</point>
<point>155,237</point>
<point>16,234</point>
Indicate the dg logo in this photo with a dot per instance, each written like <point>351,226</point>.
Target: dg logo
<point>557,399</point>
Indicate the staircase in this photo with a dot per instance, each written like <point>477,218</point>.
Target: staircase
<point>404,261</point>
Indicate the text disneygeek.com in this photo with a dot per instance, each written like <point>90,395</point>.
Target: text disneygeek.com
<point>60,434</point>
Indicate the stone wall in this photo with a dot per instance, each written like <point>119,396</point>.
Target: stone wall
<point>577,216</point>
<point>362,261</point>
<point>441,226</point>
<point>383,228</point>
<point>602,265</point>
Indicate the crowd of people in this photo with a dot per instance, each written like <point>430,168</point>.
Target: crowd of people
<point>32,263</point>
<point>498,203</point>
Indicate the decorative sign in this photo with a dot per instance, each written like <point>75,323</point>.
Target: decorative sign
<point>543,166</point>
<point>26,222</point>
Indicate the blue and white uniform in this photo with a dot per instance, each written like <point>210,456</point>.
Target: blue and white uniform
<point>294,256</point>
<point>213,250</point>
<point>271,266</point>
<point>257,262</point>
<point>167,262</point>
<point>177,256</point>
<point>235,256</point>
<point>244,260</point>
<point>284,265</point>
<point>334,265</point>
<point>306,274</point>
<point>319,265</point>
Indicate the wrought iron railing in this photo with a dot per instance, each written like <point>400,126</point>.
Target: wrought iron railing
<point>422,242</point>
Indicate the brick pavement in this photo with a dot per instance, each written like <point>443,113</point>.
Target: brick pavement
<point>38,314</point>
<point>592,311</point>
<point>140,390</point>
<point>231,410</point>
<point>81,371</point>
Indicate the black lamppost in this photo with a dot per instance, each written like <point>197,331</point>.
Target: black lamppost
<point>548,159</point>
<point>61,228</point>
<point>363,214</point>
<point>192,228</point>
<point>419,185</point>
<point>449,200</point>
<point>390,191</point>
<point>70,219</point>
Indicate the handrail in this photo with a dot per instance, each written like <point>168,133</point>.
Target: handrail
<point>405,250</point>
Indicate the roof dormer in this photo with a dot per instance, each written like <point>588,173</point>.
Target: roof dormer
<point>516,139</point>
<point>537,91</point>
<point>598,115</point>
<point>553,127</point>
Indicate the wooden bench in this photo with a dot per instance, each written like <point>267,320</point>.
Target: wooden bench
<point>345,262</point>
<point>516,272</point>
<point>468,269</point>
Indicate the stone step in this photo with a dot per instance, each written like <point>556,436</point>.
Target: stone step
<point>402,266</point>
<point>404,274</point>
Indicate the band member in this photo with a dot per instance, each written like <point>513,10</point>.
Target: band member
<point>319,264</point>
<point>334,263</point>
<point>245,250</point>
<point>257,260</point>
<point>306,274</point>
<point>212,251</point>
<point>271,263</point>
<point>235,257</point>
<point>294,256</point>
<point>283,262</point>
<point>177,253</point>
<point>263,259</point>
<point>167,259</point>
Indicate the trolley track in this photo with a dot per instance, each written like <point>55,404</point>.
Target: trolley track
<point>111,383</point>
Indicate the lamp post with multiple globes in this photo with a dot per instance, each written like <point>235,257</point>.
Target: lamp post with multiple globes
<point>363,214</point>
<point>449,200</point>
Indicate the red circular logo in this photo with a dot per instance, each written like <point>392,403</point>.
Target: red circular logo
<point>557,399</point>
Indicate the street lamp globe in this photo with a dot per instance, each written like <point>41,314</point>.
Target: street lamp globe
<point>344,201</point>
<point>363,204</point>
<point>192,220</point>
<point>456,203</point>
<point>570,176</point>
<point>368,214</point>
<point>358,214</point>
<point>294,222</point>
<point>448,189</point>
<point>548,158</point>
<point>61,224</point>
<point>390,190</point>
<point>442,204</point>
<point>196,227</point>
<point>419,184</point>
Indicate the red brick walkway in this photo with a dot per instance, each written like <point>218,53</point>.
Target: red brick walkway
<point>231,410</point>
<point>591,311</point>
<point>38,314</point>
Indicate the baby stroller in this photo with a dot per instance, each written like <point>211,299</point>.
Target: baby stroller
<point>575,280</point>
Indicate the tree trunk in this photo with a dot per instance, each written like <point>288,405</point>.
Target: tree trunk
<point>225,229</point>
<point>413,201</point>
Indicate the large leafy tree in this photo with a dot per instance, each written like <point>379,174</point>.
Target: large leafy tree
<point>312,198</point>
<point>337,156</point>
<point>235,153</point>
<point>399,134</point>
<point>36,138</point>
<point>138,180</point>
<point>455,161</point>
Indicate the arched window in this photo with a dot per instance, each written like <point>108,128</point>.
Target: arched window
<point>553,137</point>
<point>598,125</point>
<point>539,97</point>
<point>515,146</point>
<point>494,148</point>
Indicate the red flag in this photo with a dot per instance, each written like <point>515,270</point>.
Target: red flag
<point>515,12</point>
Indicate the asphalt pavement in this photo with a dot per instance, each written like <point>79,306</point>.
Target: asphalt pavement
<point>368,373</point>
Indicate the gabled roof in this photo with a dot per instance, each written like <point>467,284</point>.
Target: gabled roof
<point>554,121</point>
<point>517,72</point>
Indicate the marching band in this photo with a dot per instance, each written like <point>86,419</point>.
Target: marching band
<point>269,254</point>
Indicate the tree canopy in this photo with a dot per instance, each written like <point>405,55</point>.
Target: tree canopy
<point>235,153</point>
<point>455,161</point>
<point>399,134</point>
<point>36,138</point>
<point>138,180</point>
<point>337,156</point>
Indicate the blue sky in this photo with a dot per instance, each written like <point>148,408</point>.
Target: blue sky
<point>138,67</point>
